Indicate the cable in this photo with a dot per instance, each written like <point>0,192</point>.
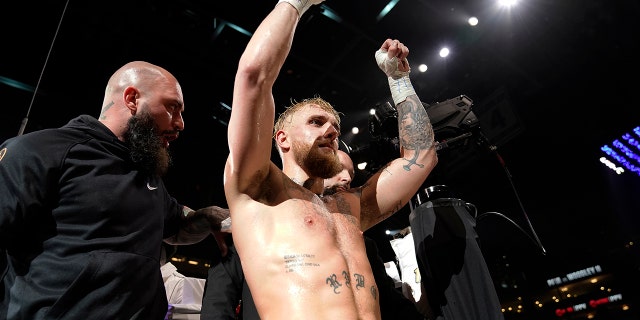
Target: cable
<point>515,192</point>
<point>494,150</point>
<point>23,125</point>
<point>535,241</point>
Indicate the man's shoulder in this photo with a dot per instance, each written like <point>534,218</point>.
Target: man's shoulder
<point>44,141</point>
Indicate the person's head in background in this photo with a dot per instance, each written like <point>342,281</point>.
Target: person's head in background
<point>342,180</point>
<point>142,106</point>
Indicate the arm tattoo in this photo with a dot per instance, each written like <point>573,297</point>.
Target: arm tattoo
<point>415,131</point>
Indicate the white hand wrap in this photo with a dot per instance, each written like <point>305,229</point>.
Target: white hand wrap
<point>301,5</point>
<point>399,81</point>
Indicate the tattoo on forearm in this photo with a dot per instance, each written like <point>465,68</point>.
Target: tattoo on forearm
<point>415,131</point>
<point>374,292</point>
<point>333,282</point>
<point>293,262</point>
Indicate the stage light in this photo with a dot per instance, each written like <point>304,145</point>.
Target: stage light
<point>444,52</point>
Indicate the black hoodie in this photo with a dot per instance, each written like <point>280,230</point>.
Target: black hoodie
<point>81,227</point>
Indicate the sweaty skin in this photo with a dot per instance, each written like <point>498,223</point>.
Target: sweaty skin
<point>303,255</point>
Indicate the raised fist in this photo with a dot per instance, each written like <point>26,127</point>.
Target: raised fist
<point>392,59</point>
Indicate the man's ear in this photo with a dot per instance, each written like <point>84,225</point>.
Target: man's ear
<point>130,96</point>
<point>282,139</point>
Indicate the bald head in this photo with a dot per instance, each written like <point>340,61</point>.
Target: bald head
<point>138,74</point>
<point>143,107</point>
<point>136,87</point>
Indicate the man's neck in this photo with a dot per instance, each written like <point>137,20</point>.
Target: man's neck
<point>300,177</point>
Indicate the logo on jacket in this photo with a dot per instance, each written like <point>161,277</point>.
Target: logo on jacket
<point>148,186</point>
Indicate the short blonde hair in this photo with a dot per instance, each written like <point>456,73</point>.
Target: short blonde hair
<point>296,106</point>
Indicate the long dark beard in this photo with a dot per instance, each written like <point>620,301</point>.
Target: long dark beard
<point>316,163</point>
<point>146,146</point>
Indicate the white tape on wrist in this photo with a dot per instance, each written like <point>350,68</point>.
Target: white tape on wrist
<point>401,88</point>
<point>301,5</point>
<point>399,81</point>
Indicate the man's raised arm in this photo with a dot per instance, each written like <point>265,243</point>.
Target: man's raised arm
<point>393,186</point>
<point>253,109</point>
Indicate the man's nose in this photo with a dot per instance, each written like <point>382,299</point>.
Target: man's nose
<point>178,122</point>
<point>331,131</point>
<point>345,176</point>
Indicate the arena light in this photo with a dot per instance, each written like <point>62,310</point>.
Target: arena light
<point>386,9</point>
<point>624,151</point>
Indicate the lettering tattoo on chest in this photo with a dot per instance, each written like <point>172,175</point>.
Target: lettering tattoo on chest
<point>333,282</point>
<point>359,280</point>
<point>293,262</point>
<point>347,279</point>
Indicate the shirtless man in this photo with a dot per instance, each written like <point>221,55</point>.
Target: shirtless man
<point>304,255</point>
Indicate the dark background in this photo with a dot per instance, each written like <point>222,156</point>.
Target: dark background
<point>551,83</point>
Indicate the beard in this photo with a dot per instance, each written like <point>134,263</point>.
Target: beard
<point>333,189</point>
<point>317,164</point>
<point>146,146</point>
